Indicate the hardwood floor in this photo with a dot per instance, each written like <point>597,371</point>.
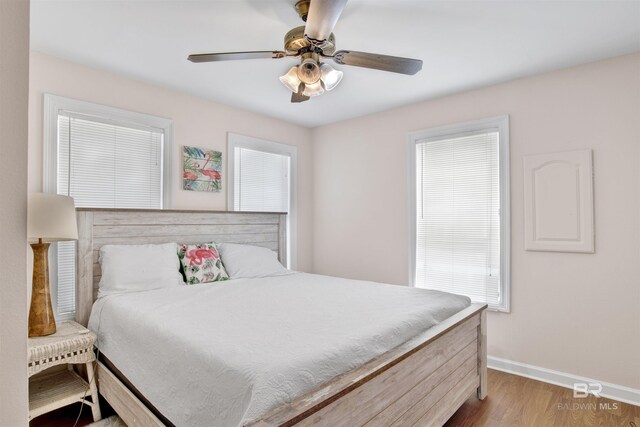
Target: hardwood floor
<point>515,401</point>
<point>512,402</point>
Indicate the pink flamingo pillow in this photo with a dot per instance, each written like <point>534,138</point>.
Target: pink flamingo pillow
<point>201,263</point>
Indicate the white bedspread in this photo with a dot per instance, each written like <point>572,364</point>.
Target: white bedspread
<point>224,354</point>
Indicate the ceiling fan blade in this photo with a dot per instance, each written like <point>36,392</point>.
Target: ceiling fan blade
<point>394,64</point>
<point>231,56</point>
<point>297,97</point>
<point>322,17</point>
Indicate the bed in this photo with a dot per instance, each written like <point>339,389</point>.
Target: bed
<point>418,373</point>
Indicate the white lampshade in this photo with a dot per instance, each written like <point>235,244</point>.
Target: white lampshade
<point>330,76</point>
<point>51,217</point>
<point>291,80</point>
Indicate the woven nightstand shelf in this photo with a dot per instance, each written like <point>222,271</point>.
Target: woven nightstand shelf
<point>71,344</point>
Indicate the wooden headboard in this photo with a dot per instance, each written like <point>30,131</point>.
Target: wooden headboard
<point>98,227</point>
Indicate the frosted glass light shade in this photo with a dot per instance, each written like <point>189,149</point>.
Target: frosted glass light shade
<point>291,80</point>
<point>330,76</point>
<point>309,71</point>
<point>313,89</point>
<point>51,217</point>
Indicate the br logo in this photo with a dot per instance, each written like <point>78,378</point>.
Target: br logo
<point>582,390</point>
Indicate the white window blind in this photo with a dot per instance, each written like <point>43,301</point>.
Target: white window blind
<point>261,181</point>
<point>262,177</point>
<point>458,229</point>
<point>102,164</point>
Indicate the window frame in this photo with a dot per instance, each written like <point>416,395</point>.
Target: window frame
<point>53,105</point>
<point>242,141</point>
<point>500,124</point>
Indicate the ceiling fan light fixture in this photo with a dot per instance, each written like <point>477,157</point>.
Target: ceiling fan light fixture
<point>330,76</point>
<point>313,89</point>
<point>309,71</point>
<point>313,43</point>
<point>291,80</point>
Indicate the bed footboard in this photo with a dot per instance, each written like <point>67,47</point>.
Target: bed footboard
<point>419,383</point>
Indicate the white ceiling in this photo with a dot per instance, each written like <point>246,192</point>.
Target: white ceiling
<point>464,45</point>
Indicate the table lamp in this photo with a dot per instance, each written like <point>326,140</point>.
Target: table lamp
<point>50,218</point>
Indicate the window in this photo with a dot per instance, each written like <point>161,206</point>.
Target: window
<point>263,176</point>
<point>260,181</point>
<point>103,158</point>
<point>460,210</point>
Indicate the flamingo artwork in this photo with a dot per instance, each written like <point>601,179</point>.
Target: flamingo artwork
<point>190,175</point>
<point>201,169</point>
<point>211,173</point>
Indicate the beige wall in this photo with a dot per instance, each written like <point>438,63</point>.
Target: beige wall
<point>14,80</point>
<point>575,313</point>
<point>196,122</point>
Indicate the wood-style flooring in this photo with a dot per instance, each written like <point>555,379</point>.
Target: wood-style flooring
<point>512,402</point>
<point>518,401</point>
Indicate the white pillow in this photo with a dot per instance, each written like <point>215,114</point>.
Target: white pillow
<point>133,268</point>
<point>246,262</point>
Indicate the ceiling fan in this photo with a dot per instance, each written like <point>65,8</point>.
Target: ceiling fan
<point>314,43</point>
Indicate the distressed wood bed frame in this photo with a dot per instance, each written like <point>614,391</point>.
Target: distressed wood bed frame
<point>422,382</point>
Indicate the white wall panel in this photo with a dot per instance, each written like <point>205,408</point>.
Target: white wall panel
<point>558,198</point>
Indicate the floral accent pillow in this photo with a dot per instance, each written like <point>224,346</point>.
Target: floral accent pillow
<point>201,263</point>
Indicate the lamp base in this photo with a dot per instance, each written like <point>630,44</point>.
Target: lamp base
<point>41,319</point>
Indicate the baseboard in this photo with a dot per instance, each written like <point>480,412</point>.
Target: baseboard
<point>611,391</point>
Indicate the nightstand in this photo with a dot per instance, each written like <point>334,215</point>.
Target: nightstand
<point>71,344</point>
